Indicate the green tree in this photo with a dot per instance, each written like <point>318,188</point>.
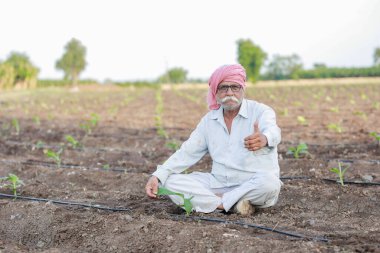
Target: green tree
<point>25,73</point>
<point>376,57</point>
<point>73,61</point>
<point>284,67</point>
<point>174,75</point>
<point>7,76</point>
<point>251,57</point>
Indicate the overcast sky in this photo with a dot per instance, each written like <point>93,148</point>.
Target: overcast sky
<point>134,40</point>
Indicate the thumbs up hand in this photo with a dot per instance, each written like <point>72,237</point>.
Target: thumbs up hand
<point>255,141</point>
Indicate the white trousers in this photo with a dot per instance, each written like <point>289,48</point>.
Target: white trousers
<point>261,190</point>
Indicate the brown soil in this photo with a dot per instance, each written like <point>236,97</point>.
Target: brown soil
<point>117,157</point>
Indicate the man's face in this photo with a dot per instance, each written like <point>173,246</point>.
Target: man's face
<point>229,95</point>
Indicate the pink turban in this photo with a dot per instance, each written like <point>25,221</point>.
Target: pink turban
<point>227,73</point>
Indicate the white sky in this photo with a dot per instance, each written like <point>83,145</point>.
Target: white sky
<point>134,40</point>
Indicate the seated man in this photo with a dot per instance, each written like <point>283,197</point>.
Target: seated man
<point>241,137</point>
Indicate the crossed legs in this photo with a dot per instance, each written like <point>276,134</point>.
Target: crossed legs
<point>261,190</point>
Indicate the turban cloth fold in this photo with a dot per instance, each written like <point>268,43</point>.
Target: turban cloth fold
<point>228,73</point>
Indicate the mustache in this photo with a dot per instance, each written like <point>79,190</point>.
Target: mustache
<point>229,98</point>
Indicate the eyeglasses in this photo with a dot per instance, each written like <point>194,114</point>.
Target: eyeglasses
<point>234,88</point>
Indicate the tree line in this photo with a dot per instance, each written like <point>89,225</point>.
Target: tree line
<point>18,71</point>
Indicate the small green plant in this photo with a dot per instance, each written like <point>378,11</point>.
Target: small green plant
<point>186,201</point>
<point>334,109</point>
<point>106,167</point>
<point>38,145</point>
<point>297,103</point>
<point>16,125</point>
<point>284,112</point>
<point>162,133</point>
<point>339,172</point>
<point>302,120</point>
<point>73,142</point>
<point>301,149</point>
<point>361,114</point>
<point>55,156</point>
<point>90,124</point>
<point>335,127</point>
<point>36,120</point>
<point>11,182</point>
<point>173,145</point>
<point>376,105</point>
<point>376,136</point>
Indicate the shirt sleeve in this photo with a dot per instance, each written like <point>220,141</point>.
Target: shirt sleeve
<point>191,151</point>
<point>268,126</point>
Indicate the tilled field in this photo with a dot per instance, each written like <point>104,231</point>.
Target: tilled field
<point>94,200</point>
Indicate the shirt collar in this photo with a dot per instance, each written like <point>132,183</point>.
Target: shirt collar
<point>215,114</point>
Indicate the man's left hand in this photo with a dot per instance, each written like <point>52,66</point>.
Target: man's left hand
<point>255,141</point>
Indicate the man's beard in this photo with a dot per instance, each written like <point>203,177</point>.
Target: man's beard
<point>229,98</point>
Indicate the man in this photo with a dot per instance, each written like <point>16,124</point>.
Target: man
<point>241,137</point>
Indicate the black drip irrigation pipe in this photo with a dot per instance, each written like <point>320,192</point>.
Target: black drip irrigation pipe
<point>354,160</point>
<point>174,216</point>
<point>68,203</point>
<point>294,177</point>
<point>351,182</point>
<point>65,166</point>
<point>198,218</point>
<point>332,180</point>
<point>73,149</point>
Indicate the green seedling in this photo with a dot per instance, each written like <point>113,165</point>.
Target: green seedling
<point>363,96</point>
<point>284,112</point>
<point>162,133</point>
<point>73,142</point>
<point>301,120</point>
<point>90,124</point>
<point>36,120</point>
<point>86,127</point>
<point>11,182</point>
<point>38,145</point>
<point>334,109</point>
<point>186,201</point>
<point>55,156</point>
<point>335,127</point>
<point>301,149</point>
<point>16,126</point>
<point>376,136</point>
<point>361,114</point>
<point>339,172</point>
<point>173,145</point>
<point>297,103</point>
<point>106,167</point>
<point>376,105</point>
<point>94,119</point>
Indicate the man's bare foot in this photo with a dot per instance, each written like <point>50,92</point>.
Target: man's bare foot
<point>244,207</point>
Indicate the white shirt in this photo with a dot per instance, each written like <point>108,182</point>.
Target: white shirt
<point>233,164</point>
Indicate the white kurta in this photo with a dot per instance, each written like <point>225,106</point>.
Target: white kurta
<point>233,165</point>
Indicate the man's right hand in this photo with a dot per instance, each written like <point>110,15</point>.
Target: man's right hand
<point>151,187</point>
